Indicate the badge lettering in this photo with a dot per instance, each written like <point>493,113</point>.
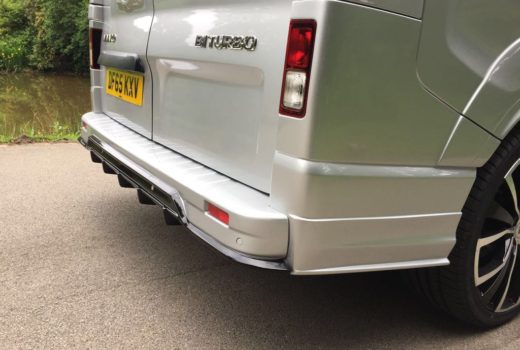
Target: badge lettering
<point>227,42</point>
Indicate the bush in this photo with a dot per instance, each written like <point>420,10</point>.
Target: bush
<point>16,37</point>
<point>45,35</point>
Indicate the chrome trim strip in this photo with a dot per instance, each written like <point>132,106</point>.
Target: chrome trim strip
<point>377,267</point>
<point>376,218</point>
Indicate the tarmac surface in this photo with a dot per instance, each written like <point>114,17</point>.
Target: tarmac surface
<point>83,265</point>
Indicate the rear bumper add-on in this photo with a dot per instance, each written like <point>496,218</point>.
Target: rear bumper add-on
<point>320,218</point>
<point>256,235</point>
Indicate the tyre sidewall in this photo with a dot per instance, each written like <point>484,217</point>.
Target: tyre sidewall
<point>470,229</point>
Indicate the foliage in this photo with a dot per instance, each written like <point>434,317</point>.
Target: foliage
<point>42,107</point>
<point>16,37</point>
<point>45,35</point>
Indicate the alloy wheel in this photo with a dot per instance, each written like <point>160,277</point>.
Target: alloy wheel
<point>496,264</point>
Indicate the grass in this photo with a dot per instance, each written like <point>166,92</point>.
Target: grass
<point>28,134</point>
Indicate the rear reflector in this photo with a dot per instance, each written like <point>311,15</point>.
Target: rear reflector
<point>218,214</point>
<point>297,71</point>
<point>95,46</point>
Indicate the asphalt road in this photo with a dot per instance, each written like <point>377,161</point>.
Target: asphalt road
<point>83,265</point>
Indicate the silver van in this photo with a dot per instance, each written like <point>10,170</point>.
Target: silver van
<point>324,136</point>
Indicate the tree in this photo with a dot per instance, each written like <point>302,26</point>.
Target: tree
<point>45,35</point>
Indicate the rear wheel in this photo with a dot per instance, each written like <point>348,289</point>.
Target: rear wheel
<point>482,284</point>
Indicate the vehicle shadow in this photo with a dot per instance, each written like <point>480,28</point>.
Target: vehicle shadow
<point>254,308</point>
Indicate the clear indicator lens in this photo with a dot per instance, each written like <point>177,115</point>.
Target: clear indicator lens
<point>294,94</point>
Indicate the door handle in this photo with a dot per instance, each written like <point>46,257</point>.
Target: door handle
<point>121,60</point>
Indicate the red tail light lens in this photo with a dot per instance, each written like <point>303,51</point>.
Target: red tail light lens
<point>301,38</point>
<point>95,46</point>
<point>298,63</point>
<point>218,213</point>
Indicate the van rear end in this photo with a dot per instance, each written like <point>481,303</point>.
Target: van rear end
<point>281,132</point>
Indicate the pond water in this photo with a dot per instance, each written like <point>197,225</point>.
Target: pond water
<point>42,105</point>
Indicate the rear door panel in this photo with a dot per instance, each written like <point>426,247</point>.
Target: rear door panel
<point>219,106</point>
<point>129,23</point>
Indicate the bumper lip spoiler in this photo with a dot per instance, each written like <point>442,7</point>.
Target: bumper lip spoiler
<point>174,205</point>
<point>238,257</point>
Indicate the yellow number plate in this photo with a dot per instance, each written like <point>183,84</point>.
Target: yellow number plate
<point>125,86</point>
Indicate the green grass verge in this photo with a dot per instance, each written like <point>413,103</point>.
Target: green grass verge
<point>28,134</point>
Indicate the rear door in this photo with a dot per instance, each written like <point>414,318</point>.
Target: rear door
<point>126,76</point>
<point>217,68</point>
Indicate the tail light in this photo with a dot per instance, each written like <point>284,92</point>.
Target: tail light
<point>298,63</point>
<point>95,46</point>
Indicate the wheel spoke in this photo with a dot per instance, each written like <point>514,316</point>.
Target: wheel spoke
<point>499,213</point>
<point>491,239</point>
<point>479,280</point>
<point>515,279</point>
<point>490,293</point>
<point>506,290</point>
<point>483,279</point>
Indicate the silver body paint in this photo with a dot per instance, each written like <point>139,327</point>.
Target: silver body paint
<point>407,99</point>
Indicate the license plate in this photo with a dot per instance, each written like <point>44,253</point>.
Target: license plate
<point>125,86</point>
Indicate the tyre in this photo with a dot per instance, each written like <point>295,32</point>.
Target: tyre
<point>482,284</point>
